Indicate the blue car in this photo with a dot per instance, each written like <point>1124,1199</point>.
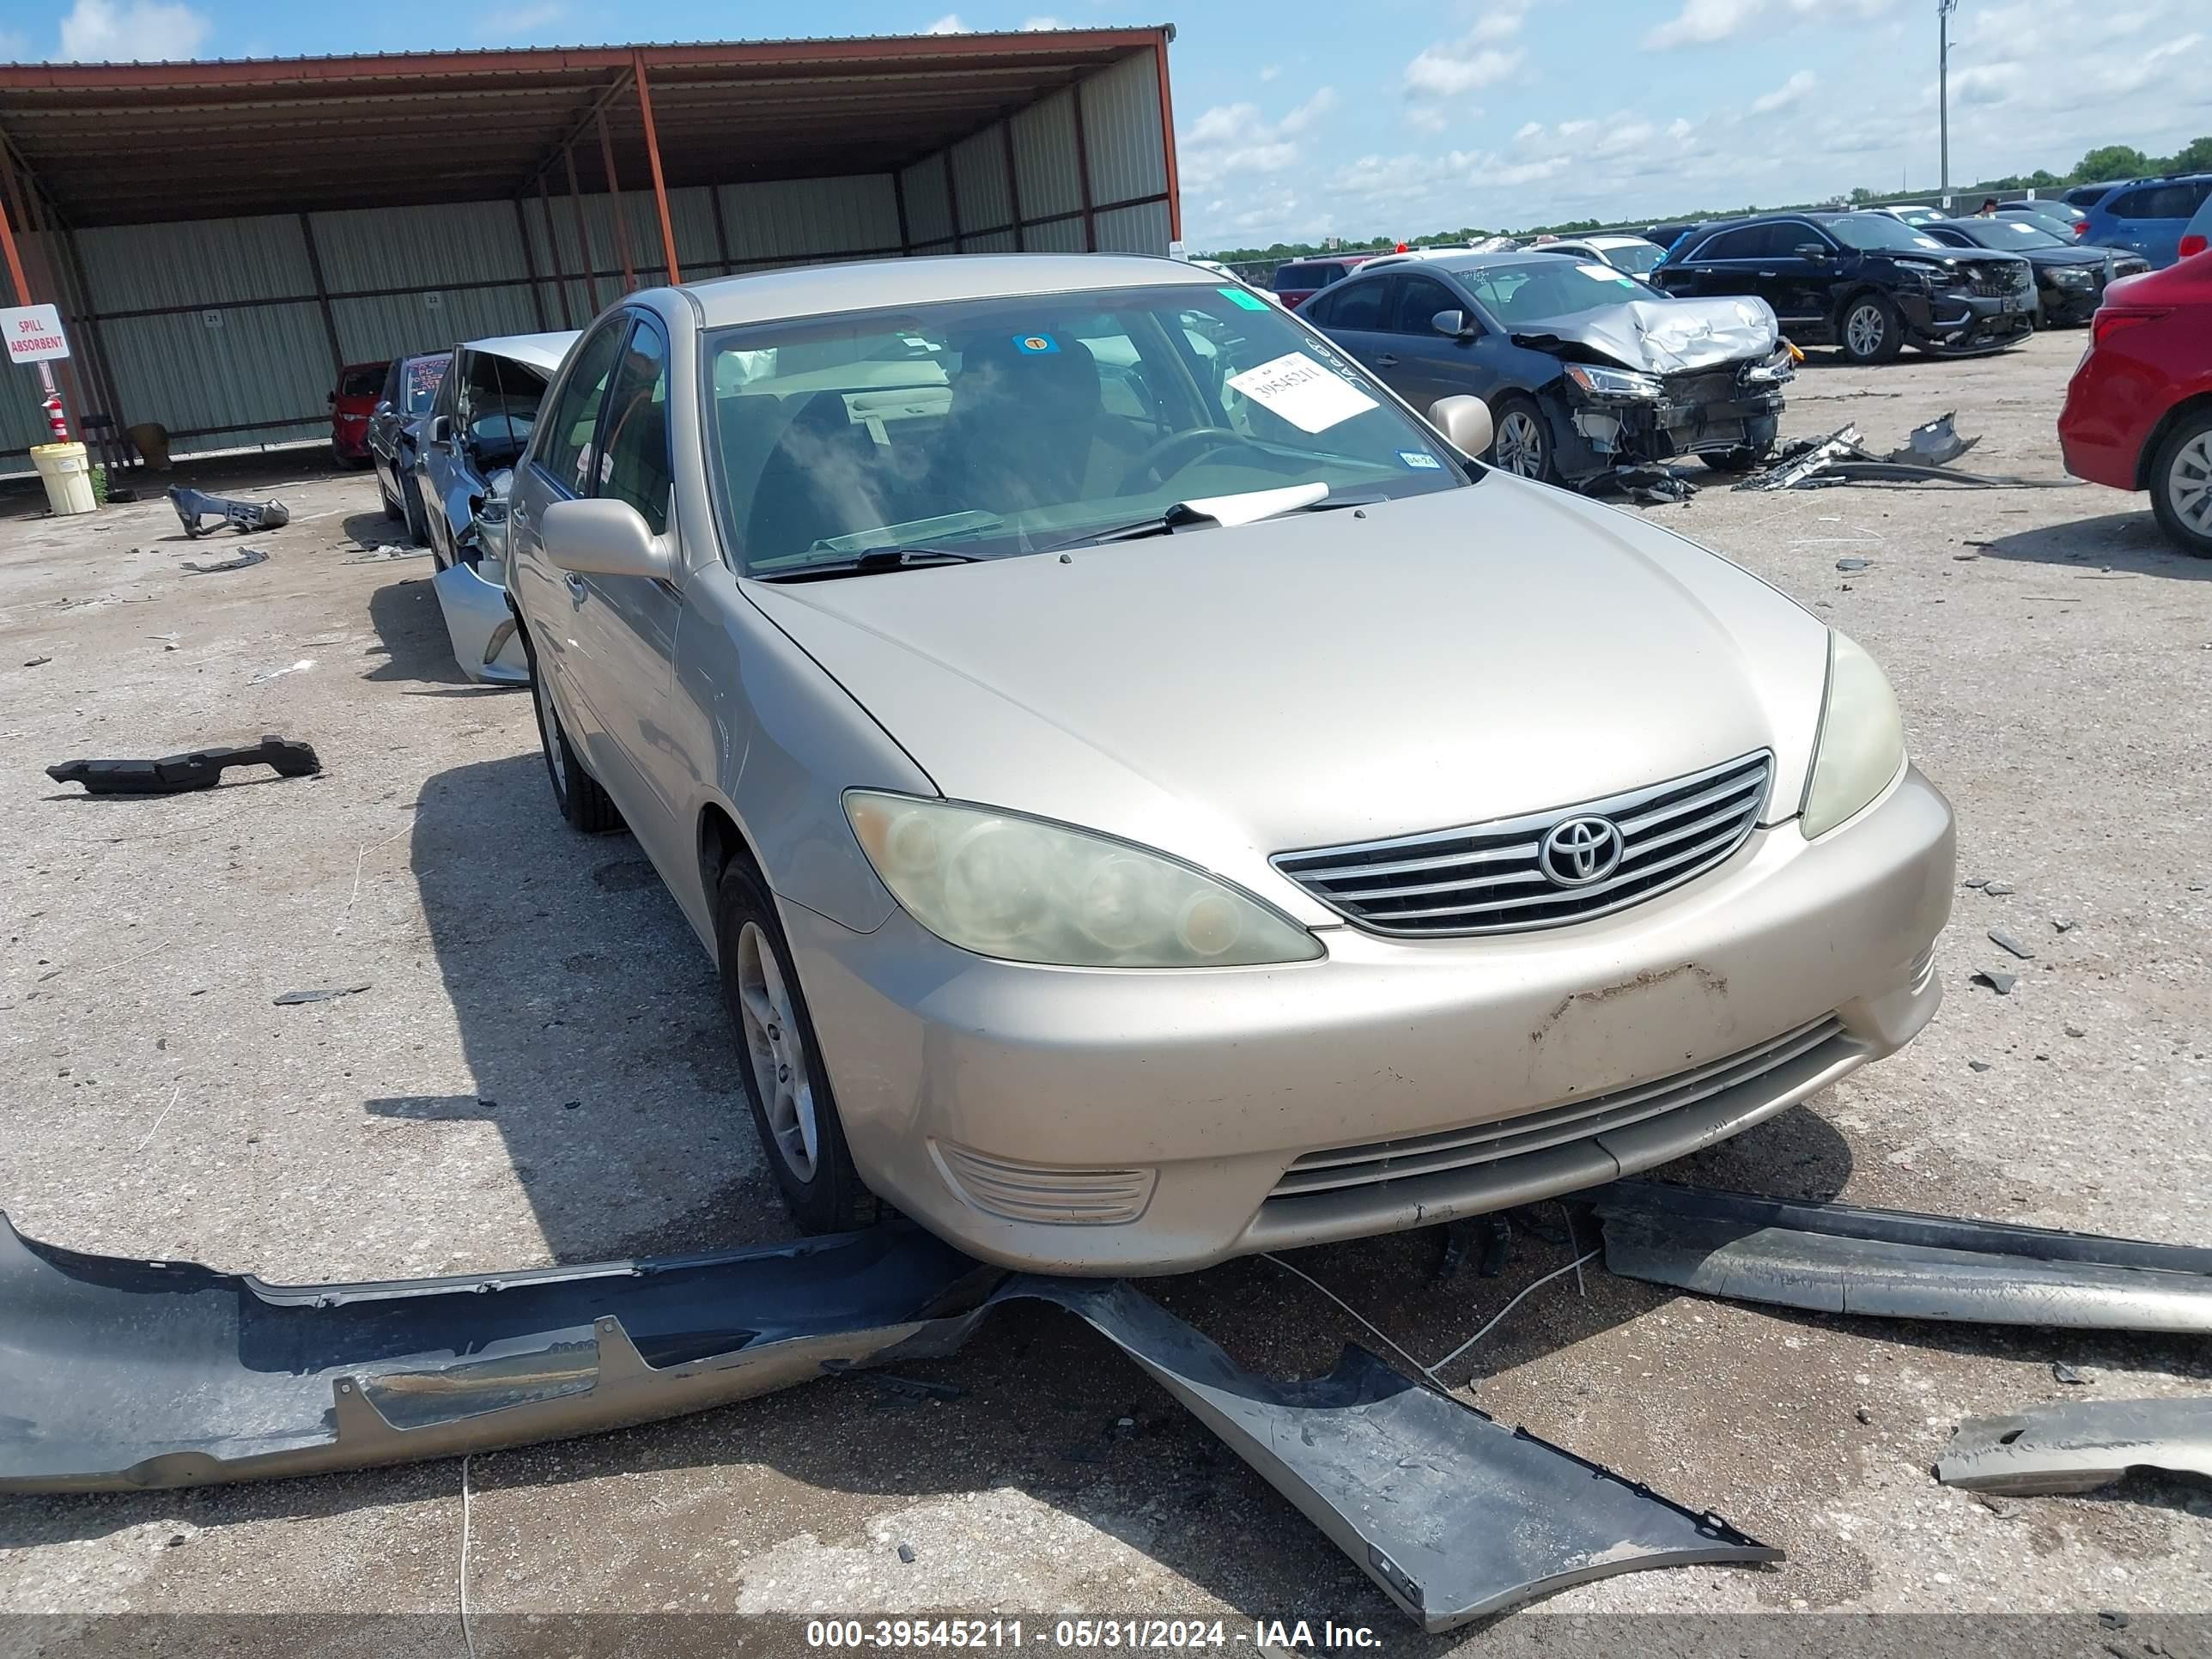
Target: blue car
<point>2148,216</point>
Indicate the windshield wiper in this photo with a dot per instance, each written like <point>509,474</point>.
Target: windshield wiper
<point>1182,516</point>
<point>874,562</point>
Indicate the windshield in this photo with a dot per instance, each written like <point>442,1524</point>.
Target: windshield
<point>1879,230</point>
<point>998,427</point>
<point>1537,291</point>
<point>419,377</point>
<point>1638,256</point>
<point>2010,235</point>
<point>362,380</point>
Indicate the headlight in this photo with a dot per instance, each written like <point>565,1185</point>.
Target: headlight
<point>1026,890</point>
<point>2071,274</point>
<point>1861,742</point>
<point>1926,274</point>
<point>1615,382</point>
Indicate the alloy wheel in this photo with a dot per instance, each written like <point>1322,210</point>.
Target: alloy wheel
<point>2189,483</point>
<point>1863,330</point>
<point>777,1050</point>
<point>1520,445</point>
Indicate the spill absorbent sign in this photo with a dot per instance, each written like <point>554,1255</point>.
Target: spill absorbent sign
<point>34,334</point>
<point>1310,397</point>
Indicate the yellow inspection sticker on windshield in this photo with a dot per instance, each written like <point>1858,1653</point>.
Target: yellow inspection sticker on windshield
<point>1310,397</point>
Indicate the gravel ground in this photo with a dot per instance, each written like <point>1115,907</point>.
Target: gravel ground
<point>540,1071</point>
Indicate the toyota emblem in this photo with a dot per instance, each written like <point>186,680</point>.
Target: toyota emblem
<point>1579,851</point>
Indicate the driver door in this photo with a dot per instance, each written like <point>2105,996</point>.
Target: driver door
<point>1427,365</point>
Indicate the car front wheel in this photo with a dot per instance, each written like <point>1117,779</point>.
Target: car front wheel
<point>1520,444</point>
<point>782,1070</point>
<point>1872,332</point>
<point>2181,484</point>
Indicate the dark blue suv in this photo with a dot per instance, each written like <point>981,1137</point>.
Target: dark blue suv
<point>2146,215</point>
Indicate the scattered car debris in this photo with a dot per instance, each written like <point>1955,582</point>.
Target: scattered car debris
<point>1936,444</point>
<point>268,674</point>
<point>2002,983</point>
<point>2064,924</point>
<point>38,662</point>
<point>376,555</point>
<point>196,769</point>
<point>2077,1445</point>
<point>122,1375</point>
<point>1979,1066</point>
<point>2062,1372</point>
<point>246,559</point>
<point>2005,941</point>
<point>1997,889</point>
<point>1976,882</point>
<point>1839,1258</point>
<point>1849,565</point>
<point>2075,1031</point>
<point>1841,458</point>
<point>244,517</point>
<point>325,993</point>
<point>1648,483</point>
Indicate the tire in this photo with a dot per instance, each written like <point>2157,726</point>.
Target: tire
<point>780,1064</point>
<point>2181,484</point>
<point>1869,330</point>
<point>391,509</point>
<point>417,516</point>
<point>1521,442</point>
<point>584,804</point>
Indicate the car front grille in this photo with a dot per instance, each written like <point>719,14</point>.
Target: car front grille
<point>1379,1161</point>
<point>1993,281</point>
<point>1496,878</point>
<point>1709,386</point>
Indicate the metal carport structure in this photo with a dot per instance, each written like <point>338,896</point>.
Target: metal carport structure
<point>222,236</point>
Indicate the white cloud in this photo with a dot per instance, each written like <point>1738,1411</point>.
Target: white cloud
<point>1387,178</point>
<point>140,30</point>
<point>1038,25</point>
<point>1501,22</point>
<point>1789,92</point>
<point>1450,68</point>
<point>1529,130</point>
<point>1702,22</point>
<point>948,24</point>
<point>1268,72</point>
<point>1236,138</point>
<point>514,21</point>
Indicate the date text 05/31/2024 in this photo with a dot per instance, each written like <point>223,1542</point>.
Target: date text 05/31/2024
<point>1265,1635</point>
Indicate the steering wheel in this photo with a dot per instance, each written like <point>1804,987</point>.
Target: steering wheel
<point>1198,440</point>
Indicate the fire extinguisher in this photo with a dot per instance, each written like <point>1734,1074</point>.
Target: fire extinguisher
<point>55,418</point>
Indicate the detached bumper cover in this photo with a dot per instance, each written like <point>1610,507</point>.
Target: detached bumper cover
<point>2078,1445</point>
<point>1837,1258</point>
<point>121,1374</point>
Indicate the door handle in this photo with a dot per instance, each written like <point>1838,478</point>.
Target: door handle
<point>576,588</point>
<point>1387,360</point>
<point>1767,273</point>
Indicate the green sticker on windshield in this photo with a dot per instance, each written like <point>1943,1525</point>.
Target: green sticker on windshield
<point>1244,297</point>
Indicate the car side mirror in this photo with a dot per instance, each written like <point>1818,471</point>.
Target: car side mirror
<point>1465,422</point>
<point>331,399</point>
<point>603,537</point>
<point>441,431</point>
<point>1811,250</point>
<point>383,407</point>
<point>1454,323</point>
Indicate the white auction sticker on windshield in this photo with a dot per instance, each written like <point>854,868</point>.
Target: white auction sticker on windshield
<point>1310,397</point>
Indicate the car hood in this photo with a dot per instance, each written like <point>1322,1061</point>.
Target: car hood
<point>1660,336</point>
<point>2096,256</point>
<point>1227,694</point>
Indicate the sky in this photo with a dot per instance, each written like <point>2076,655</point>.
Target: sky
<point>1302,118</point>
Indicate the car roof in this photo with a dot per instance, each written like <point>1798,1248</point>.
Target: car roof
<point>770,296</point>
<point>1468,259</point>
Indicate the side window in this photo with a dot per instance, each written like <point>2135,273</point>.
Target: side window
<point>2129,204</point>
<point>565,453</point>
<point>390,392</point>
<point>1320,311</point>
<point>635,466</point>
<point>1419,299</point>
<point>1729,244</point>
<point>1358,305</point>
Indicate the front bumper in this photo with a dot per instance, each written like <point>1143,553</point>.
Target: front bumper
<point>1959,321</point>
<point>486,642</point>
<point>1115,1121</point>
<point>1708,412</point>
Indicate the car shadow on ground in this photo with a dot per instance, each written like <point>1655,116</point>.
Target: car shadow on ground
<point>2112,545</point>
<point>412,643</point>
<point>374,528</point>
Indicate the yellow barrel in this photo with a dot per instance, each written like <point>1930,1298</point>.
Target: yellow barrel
<point>69,481</point>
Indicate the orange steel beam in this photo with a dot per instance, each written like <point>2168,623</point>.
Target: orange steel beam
<point>14,206</point>
<point>652,158</point>
<point>614,206</point>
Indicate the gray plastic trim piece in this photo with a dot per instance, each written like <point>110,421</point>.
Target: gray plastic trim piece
<point>2078,1445</point>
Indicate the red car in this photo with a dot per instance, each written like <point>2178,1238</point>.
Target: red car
<point>359,385</point>
<point>2138,411</point>
<point>1299,280</point>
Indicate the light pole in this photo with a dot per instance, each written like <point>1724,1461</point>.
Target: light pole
<point>1943,10</point>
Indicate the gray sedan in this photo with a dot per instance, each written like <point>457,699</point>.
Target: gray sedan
<point>1152,796</point>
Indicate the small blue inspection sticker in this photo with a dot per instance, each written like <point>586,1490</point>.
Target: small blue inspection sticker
<point>1420,460</point>
<point>1244,297</point>
<point>1035,344</point>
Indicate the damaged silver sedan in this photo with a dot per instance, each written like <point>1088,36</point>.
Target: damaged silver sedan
<point>1584,367</point>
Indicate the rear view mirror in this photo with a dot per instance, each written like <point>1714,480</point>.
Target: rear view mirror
<point>441,430</point>
<point>1465,422</point>
<point>1811,250</point>
<point>1454,323</point>
<point>603,537</point>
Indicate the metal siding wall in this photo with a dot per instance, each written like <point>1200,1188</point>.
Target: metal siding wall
<point>269,363</point>
<point>1134,230</point>
<point>137,267</point>
<point>979,173</point>
<point>22,423</point>
<point>793,219</point>
<point>402,325</point>
<point>1121,133</point>
<point>1044,159</point>
<point>993,241</point>
<point>929,214</point>
<point>416,247</point>
<point>1061,236</point>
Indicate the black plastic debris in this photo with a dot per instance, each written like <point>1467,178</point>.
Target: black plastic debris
<point>194,507</point>
<point>247,557</point>
<point>1841,458</point>
<point>121,1374</point>
<point>196,769</point>
<point>1839,1258</point>
<point>1648,483</point>
<point>2001,983</point>
<point>1936,444</point>
<point>2077,1445</point>
<point>321,993</point>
